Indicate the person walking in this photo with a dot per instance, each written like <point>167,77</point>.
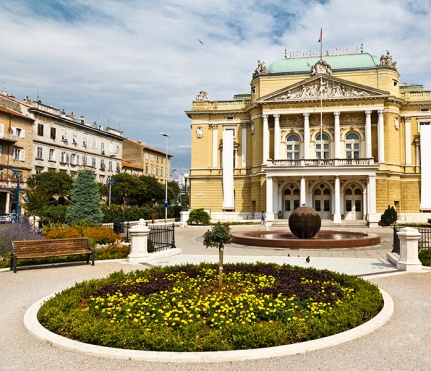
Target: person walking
<point>263,221</point>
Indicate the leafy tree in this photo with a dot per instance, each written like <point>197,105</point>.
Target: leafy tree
<point>173,191</point>
<point>154,189</point>
<point>126,186</point>
<point>218,236</point>
<point>84,200</point>
<point>36,202</point>
<point>51,183</point>
<point>389,216</point>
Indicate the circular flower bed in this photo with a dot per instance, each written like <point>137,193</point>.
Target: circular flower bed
<point>181,308</point>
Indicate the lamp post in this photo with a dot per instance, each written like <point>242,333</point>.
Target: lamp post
<point>185,190</point>
<point>166,135</point>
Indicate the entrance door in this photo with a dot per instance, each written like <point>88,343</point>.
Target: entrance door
<point>290,200</point>
<point>322,201</point>
<point>353,203</point>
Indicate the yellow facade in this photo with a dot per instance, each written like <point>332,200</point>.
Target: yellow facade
<point>340,133</point>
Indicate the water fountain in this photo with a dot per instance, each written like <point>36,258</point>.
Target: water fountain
<point>305,233</point>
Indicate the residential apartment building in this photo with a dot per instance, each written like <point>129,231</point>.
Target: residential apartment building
<point>338,132</point>
<point>152,161</point>
<point>16,149</point>
<point>38,138</point>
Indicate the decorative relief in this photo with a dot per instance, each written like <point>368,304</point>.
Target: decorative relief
<point>260,69</point>
<point>352,118</point>
<point>321,67</point>
<point>199,132</point>
<point>202,96</point>
<point>324,89</point>
<point>252,127</point>
<point>386,61</point>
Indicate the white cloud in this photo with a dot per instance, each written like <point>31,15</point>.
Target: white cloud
<point>140,64</point>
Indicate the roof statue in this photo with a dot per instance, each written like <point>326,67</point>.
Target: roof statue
<point>203,95</point>
<point>386,60</point>
<point>260,69</point>
<point>321,67</point>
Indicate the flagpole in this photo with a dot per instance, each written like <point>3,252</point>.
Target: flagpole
<point>321,98</point>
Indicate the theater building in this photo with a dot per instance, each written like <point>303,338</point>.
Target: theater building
<point>339,132</point>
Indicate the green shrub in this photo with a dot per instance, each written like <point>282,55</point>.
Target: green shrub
<point>389,216</point>
<point>199,217</point>
<point>425,256</point>
<point>178,308</point>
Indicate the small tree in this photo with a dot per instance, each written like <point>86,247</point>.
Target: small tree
<point>199,216</point>
<point>84,200</point>
<point>389,216</point>
<point>218,236</point>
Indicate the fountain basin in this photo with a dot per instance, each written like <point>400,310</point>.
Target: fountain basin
<point>322,240</point>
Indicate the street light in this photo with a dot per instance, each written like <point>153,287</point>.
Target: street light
<point>166,135</point>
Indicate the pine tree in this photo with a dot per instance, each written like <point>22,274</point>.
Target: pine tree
<point>84,200</point>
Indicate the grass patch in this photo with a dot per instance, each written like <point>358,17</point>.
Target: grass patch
<point>181,309</point>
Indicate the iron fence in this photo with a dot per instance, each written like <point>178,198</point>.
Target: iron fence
<point>424,240</point>
<point>162,237</point>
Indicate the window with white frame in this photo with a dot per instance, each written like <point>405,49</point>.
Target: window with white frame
<point>84,160</point>
<point>102,146</point>
<point>118,167</point>
<point>292,146</point>
<point>73,158</point>
<point>63,157</point>
<point>51,155</point>
<point>93,162</point>
<point>18,154</point>
<point>53,133</point>
<point>40,130</point>
<point>85,141</point>
<point>39,152</point>
<point>146,155</point>
<point>110,165</point>
<point>118,150</point>
<point>94,143</point>
<point>352,145</point>
<point>75,139</point>
<point>18,132</point>
<point>102,164</point>
<point>322,146</point>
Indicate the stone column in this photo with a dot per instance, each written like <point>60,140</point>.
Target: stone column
<point>381,138</point>
<point>364,202</point>
<point>269,199</point>
<point>275,195</point>
<point>336,134</point>
<point>302,192</point>
<point>306,135</point>
<point>265,140</point>
<point>407,125</point>
<point>373,217</point>
<point>409,250</point>
<point>214,128</point>
<point>277,137</point>
<point>368,134</point>
<point>337,214</point>
<point>139,239</point>
<point>244,145</point>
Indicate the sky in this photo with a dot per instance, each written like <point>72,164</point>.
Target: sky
<point>137,65</point>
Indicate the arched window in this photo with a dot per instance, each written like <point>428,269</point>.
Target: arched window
<point>293,143</point>
<point>322,146</point>
<point>352,145</point>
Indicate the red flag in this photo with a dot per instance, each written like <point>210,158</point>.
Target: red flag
<point>320,38</point>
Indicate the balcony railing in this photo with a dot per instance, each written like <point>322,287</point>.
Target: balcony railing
<point>322,162</point>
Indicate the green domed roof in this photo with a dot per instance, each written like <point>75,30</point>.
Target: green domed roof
<point>337,62</point>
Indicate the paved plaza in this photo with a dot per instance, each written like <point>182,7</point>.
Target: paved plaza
<point>402,343</point>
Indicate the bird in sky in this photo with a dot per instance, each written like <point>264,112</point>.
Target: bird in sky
<point>200,41</point>
<point>308,259</point>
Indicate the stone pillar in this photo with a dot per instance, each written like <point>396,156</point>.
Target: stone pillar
<point>381,138</point>
<point>337,214</point>
<point>244,145</point>
<point>214,128</point>
<point>368,134</point>
<point>277,137</point>
<point>139,239</point>
<point>306,135</point>
<point>407,125</point>
<point>336,134</point>
<point>265,140</point>
<point>184,216</point>
<point>409,250</point>
<point>302,193</point>
<point>269,199</point>
<point>373,217</point>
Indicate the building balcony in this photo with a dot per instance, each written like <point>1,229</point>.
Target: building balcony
<point>332,162</point>
<point>8,138</point>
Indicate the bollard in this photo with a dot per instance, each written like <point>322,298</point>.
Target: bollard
<point>409,250</point>
<point>139,243</point>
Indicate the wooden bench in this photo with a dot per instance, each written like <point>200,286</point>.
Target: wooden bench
<point>33,249</point>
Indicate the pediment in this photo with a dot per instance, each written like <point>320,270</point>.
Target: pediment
<point>325,87</point>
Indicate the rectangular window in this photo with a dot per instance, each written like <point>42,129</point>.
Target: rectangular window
<point>84,141</point>
<point>16,154</point>
<point>40,130</point>
<point>287,205</point>
<point>348,205</point>
<point>94,143</point>
<point>73,159</point>
<point>63,157</point>
<point>84,160</point>
<point>118,150</point>
<point>110,165</point>
<point>102,164</point>
<point>326,205</point>
<point>75,139</point>
<point>295,204</point>
<point>317,205</point>
<point>358,204</point>
<point>93,162</point>
<point>53,133</point>
<point>39,153</point>
<point>51,155</point>
<point>118,167</point>
<point>18,132</point>
<point>146,169</point>
<point>146,155</point>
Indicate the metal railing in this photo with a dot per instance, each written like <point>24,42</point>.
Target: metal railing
<point>162,237</point>
<point>424,240</point>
